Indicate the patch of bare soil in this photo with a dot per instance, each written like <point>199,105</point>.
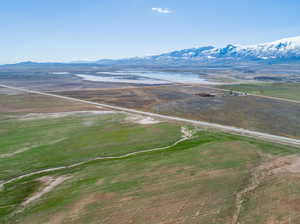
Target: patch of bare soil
<point>280,165</point>
<point>138,119</point>
<point>48,184</point>
<point>73,213</point>
<point>286,164</point>
<point>186,132</point>
<point>34,116</point>
<point>7,155</point>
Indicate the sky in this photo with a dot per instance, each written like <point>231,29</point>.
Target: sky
<point>70,30</point>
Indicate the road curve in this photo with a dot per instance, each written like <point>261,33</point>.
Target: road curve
<point>230,129</point>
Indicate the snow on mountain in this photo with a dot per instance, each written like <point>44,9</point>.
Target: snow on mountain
<point>288,48</point>
<point>281,50</point>
<point>284,48</point>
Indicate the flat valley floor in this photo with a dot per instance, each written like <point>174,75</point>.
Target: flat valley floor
<point>66,162</point>
<point>273,116</point>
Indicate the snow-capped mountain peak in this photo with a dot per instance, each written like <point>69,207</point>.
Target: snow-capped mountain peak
<point>291,42</point>
<point>287,48</point>
<point>284,48</point>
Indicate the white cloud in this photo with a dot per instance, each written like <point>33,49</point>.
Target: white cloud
<point>162,10</point>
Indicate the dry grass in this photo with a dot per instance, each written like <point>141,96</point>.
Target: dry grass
<point>31,103</point>
<point>249,112</point>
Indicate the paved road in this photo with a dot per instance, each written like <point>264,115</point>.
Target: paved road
<point>230,129</point>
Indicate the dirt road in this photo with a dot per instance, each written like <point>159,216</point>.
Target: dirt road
<point>186,134</point>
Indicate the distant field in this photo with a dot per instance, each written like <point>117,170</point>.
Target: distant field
<point>282,90</point>
<point>14,102</point>
<point>249,112</point>
<point>53,79</point>
<point>211,177</point>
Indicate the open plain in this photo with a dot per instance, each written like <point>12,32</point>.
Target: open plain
<point>244,111</point>
<point>149,112</point>
<point>64,161</point>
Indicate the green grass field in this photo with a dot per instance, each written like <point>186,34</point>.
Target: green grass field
<point>46,143</point>
<point>281,90</point>
<point>194,181</point>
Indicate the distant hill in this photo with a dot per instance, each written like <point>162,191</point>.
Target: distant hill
<point>280,51</point>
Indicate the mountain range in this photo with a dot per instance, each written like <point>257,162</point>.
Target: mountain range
<point>284,49</point>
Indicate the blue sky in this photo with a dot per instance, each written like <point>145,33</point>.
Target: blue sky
<point>65,30</point>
